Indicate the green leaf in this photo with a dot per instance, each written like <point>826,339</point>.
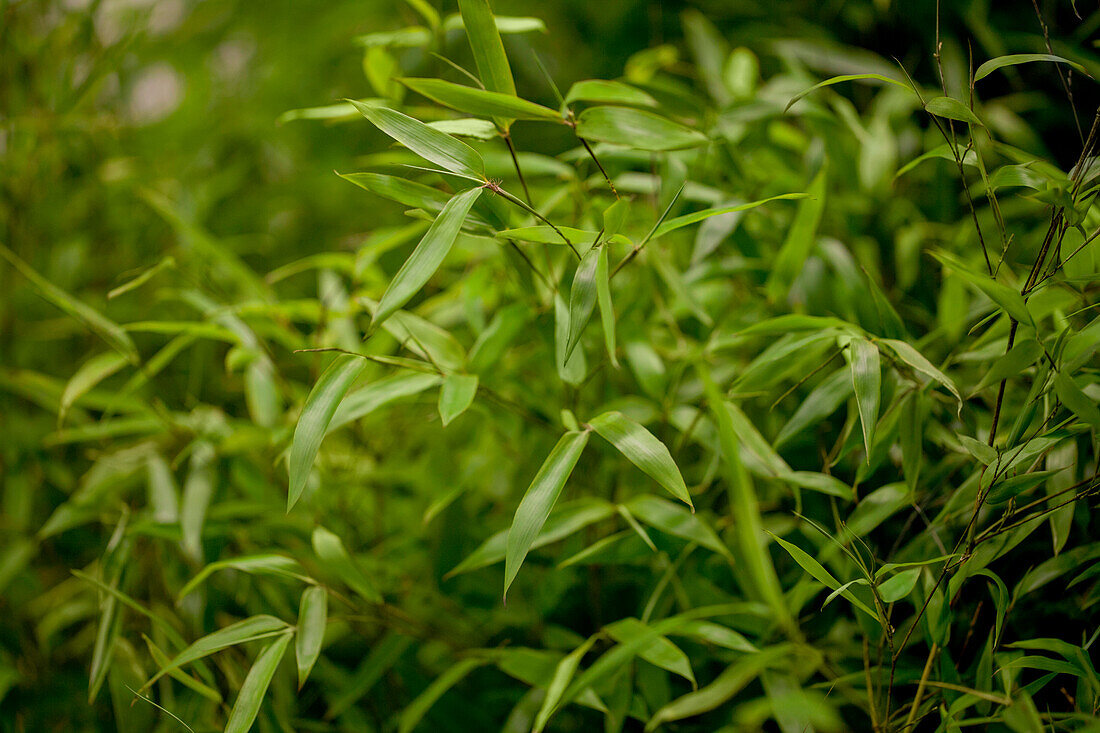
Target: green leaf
<point>867,383</point>
<point>1022,58</point>
<point>256,627</point>
<point>312,617</point>
<point>1012,364</point>
<point>467,127</point>
<point>757,445</point>
<point>1008,299</point>
<point>643,450</point>
<point>676,520</point>
<point>608,92</point>
<point>819,482</point>
<point>571,370</point>
<point>899,586</point>
<point>254,687</point>
<point>818,572</point>
<point>316,415</point>
<point>843,78</point>
<point>375,395</point>
<point>455,395</point>
<point>198,489</point>
<point>800,239</point>
<point>480,102</point>
<point>582,297</point>
<point>917,362</point>
<point>658,651</point>
<point>401,190</point>
<point>254,564</point>
<point>952,109</point>
<point>488,49</point>
<point>603,297</point>
<point>427,142</point>
<point>563,674</point>
<point>540,498</point>
<point>428,255</point>
<point>1076,400</point>
<point>90,373</point>
<point>415,711</point>
<point>330,550</point>
<point>637,129</point>
<point>697,216</point>
<point>95,321</point>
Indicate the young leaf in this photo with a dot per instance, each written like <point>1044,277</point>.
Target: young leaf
<point>107,329</point>
<point>846,77</point>
<point>479,101</point>
<point>697,216</point>
<point>867,382</point>
<point>582,297</point>
<point>455,395</point>
<point>492,62</point>
<point>428,255</point>
<point>256,627</point>
<point>1022,58</point>
<point>427,142</point>
<point>636,129</point>
<point>312,616</point>
<point>320,406</point>
<point>603,297</point>
<point>951,109</point>
<point>254,687</point>
<point>643,450</point>
<point>540,498</point>
<point>818,572</point>
<point>330,550</point>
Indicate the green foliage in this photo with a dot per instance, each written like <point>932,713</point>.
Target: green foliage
<point>843,384</point>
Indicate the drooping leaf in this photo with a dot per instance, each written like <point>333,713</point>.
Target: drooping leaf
<point>330,550</point>
<point>867,383</point>
<point>539,500</point>
<point>480,101</point>
<point>312,617</point>
<point>316,415</point>
<point>582,297</point>
<point>455,395</point>
<point>603,298</point>
<point>427,142</point>
<point>1022,58</point>
<point>637,129</point>
<point>428,255</point>
<point>254,687</point>
<point>642,449</point>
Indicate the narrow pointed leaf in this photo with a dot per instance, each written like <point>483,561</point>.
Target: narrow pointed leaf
<point>255,685</point>
<point>320,406</point>
<point>847,77</point>
<point>90,373</point>
<point>455,395</point>
<point>412,715</point>
<point>330,549</point>
<point>919,363</point>
<point>428,255</point>
<point>637,129</point>
<point>427,142</point>
<point>582,297</point>
<point>603,297</point>
<point>643,450</point>
<point>492,62</point>
<point>952,109</point>
<point>540,498</point>
<point>1021,58</point>
<point>480,101</point>
<point>1011,301</point>
<point>256,627</point>
<point>312,617</point>
<point>820,574</point>
<point>563,675</point>
<point>867,382</point>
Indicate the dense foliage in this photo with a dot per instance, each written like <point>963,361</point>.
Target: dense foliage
<point>754,388</point>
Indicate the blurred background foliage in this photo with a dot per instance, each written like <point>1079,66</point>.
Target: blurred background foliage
<point>132,130</point>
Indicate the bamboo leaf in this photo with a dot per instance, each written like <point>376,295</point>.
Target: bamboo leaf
<point>412,715</point>
<point>539,500</point>
<point>637,129</point>
<point>1022,58</point>
<point>951,109</point>
<point>582,297</point>
<point>455,395</point>
<point>608,92</point>
<point>603,298</point>
<point>312,617</point>
<point>488,49</point>
<point>1007,298</point>
<point>255,685</point>
<point>250,629</point>
<point>563,674</point>
<point>643,450</point>
<point>330,550</point>
<point>867,383</point>
<point>843,78</point>
<point>480,101</point>
<point>820,574</point>
<point>427,142</point>
<point>428,255</point>
<point>316,415</point>
<point>90,373</point>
